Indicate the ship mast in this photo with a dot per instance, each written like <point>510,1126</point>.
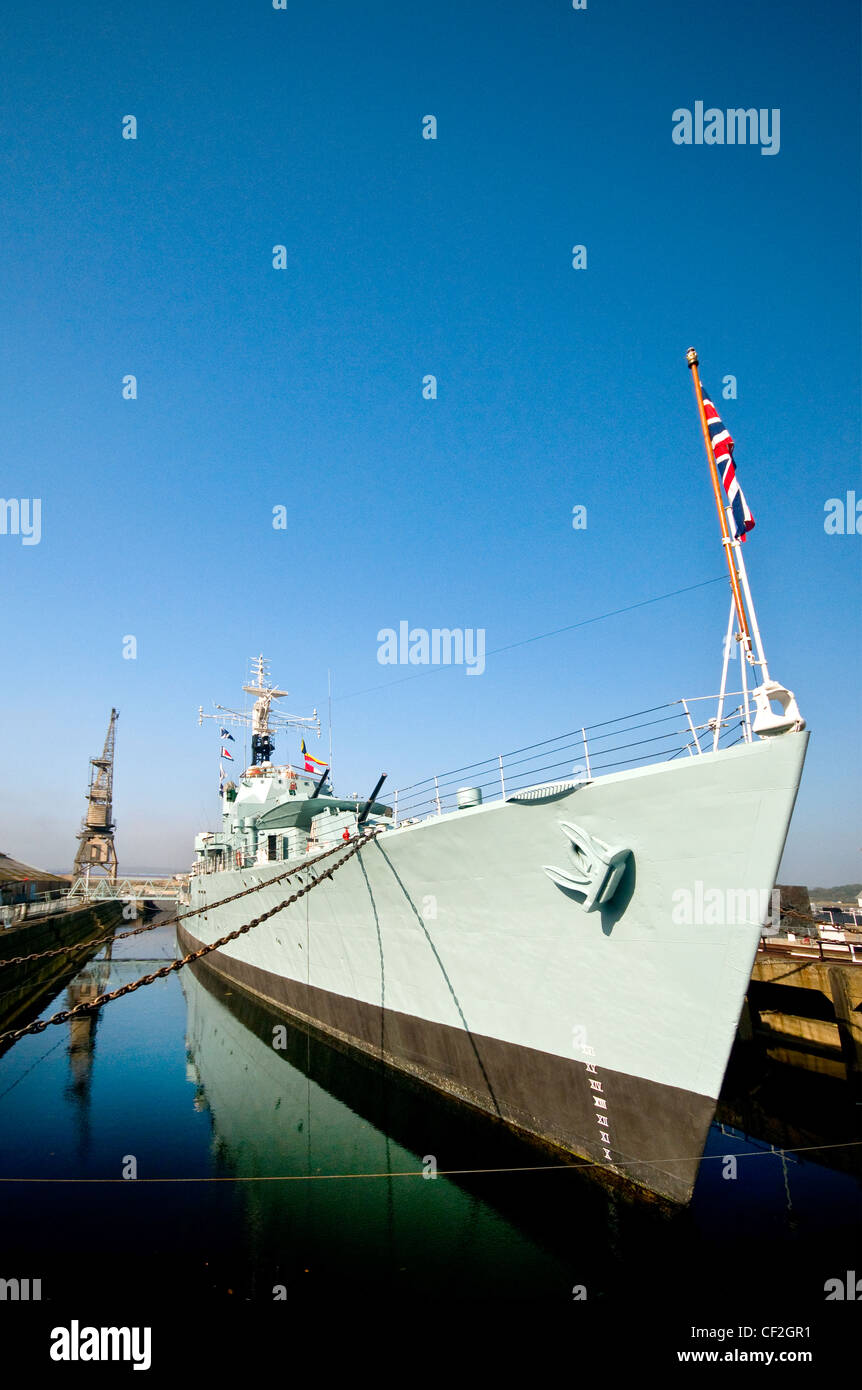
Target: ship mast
<point>263,720</point>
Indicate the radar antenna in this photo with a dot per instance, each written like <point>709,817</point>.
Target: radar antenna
<point>263,720</point>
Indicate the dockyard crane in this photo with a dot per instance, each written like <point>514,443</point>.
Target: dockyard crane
<point>96,837</point>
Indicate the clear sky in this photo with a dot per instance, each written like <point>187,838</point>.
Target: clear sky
<point>302,387</point>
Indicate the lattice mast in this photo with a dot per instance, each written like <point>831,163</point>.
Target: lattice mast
<point>263,720</point>
<point>96,848</point>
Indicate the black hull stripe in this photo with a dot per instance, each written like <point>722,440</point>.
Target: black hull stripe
<point>655,1130</point>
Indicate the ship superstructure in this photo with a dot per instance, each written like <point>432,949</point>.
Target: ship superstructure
<point>277,812</point>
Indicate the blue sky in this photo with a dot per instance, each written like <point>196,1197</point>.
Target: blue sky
<point>303,387</point>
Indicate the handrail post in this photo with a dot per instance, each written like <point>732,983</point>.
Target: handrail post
<point>437,795</point>
<point>691,726</point>
<point>586,753</point>
<point>724,667</point>
<point>747,712</point>
<point>395,810</point>
<point>502,778</point>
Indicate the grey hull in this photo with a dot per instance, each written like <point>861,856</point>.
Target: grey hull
<point>540,1095</point>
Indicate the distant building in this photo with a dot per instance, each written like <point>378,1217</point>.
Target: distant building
<point>21,883</point>
<point>838,914</point>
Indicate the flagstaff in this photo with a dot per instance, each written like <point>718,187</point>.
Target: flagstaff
<point>692,359</point>
<point>736,521</point>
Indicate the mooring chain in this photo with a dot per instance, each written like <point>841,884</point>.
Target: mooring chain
<point>112,935</point>
<point>806,917</point>
<point>169,921</point>
<point>80,945</point>
<point>89,1006</point>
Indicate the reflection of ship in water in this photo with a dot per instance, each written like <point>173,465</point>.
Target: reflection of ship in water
<point>311,1110</point>
<point>308,1109</point>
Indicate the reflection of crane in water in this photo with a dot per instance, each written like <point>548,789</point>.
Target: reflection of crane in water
<point>96,836</point>
<point>86,986</point>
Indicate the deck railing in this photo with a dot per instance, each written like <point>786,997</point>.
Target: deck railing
<point>652,735</point>
<point>812,948</point>
<point>40,905</point>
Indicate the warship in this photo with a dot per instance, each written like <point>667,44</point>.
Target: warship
<point>565,947</point>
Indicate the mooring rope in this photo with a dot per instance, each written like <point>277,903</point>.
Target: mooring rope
<point>569,1166</point>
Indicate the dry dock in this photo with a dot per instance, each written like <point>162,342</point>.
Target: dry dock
<point>804,1004</point>
<point>25,983</point>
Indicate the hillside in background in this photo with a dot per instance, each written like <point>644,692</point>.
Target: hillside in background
<point>844,893</point>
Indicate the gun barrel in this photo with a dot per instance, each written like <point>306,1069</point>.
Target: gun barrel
<point>371,800</point>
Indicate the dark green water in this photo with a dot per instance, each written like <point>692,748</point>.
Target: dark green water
<point>182,1078</point>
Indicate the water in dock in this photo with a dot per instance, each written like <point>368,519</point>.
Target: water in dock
<point>304,1174</point>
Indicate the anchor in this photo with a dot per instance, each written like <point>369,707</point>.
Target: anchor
<point>600,867</point>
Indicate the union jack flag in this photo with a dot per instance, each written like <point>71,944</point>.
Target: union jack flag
<point>722,447</point>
